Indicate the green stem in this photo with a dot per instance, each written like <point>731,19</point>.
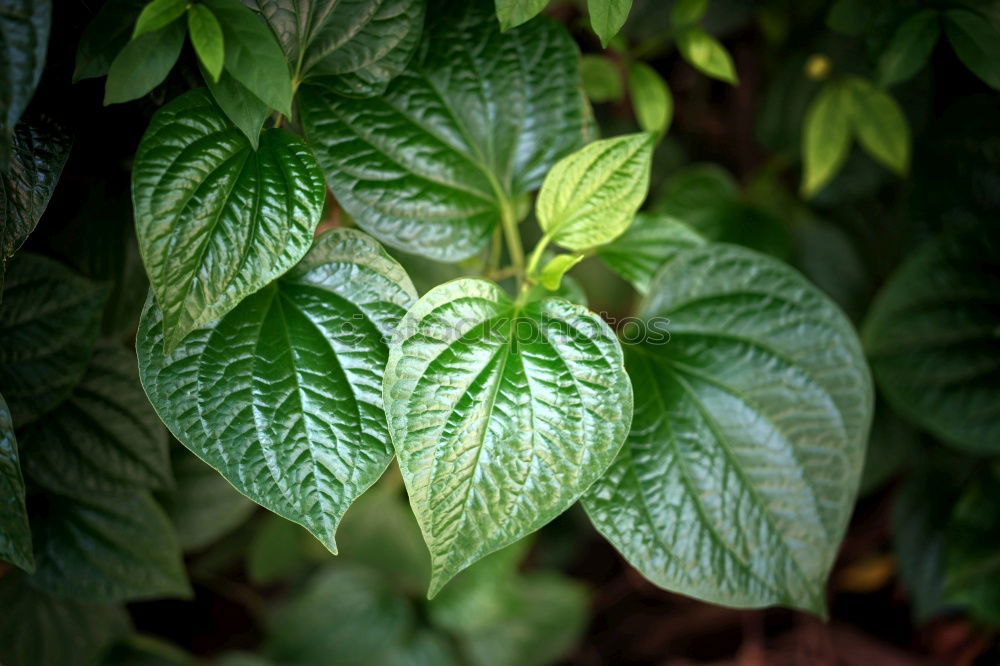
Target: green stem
<point>513,238</point>
<point>536,254</point>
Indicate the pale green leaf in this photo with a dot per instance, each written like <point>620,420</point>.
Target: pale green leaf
<point>826,136</point>
<point>740,472</point>
<point>158,14</point>
<point>143,64</point>
<point>651,99</point>
<point>648,243</point>
<point>976,42</point>
<point>591,196</point>
<point>686,12</point>
<point>512,13</point>
<point>880,125</point>
<point>706,54</point>
<point>236,219</point>
<point>602,80</point>
<point>552,273</point>
<point>15,535</point>
<point>283,394</point>
<point>910,48</point>
<point>207,39</point>
<point>492,404</point>
<point>607,17</point>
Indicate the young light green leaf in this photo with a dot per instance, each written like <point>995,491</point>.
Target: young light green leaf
<point>976,42</point>
<point>353,48</point>
<point>207,39</point>
<point>159,14</point>
<point>237,217</point>
<point>492,404</point>
<point>438,185</point>
<point>706,54</point>
<point>686,12</point>
<point>25,37</point>
<point>651,99</point>
<point>649,242</point>
<point>253,56</point>
<point>909,49</point>
<point>304,358</point>
<point>48,324</point>
<point>827,135</point>
<point>880,125</point>
<point>143,64</point>
<point>746,448</point>
<point>104,37</point>
<point>107,547</point>
<point>552,273</point>
<point>931,337</point>
<point>602,81</point>
<point>103,438</point>
<point>512,13</point>
<point>242,107</point>
<point>15,535</point>
<point>607,17</point>
<point>590,196</point>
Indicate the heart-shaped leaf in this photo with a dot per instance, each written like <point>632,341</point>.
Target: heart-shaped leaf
<point>217,220</point>
<point>353,48</point>
<point>15,535</point>
<point>24,26</point>
<point>431,165</point>
<point>649,242</point>
<point>740,472</point>
<point>502,414</point>
<point>283,394</point>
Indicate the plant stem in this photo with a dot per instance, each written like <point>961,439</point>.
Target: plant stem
<point>513,238</point>
<point>536,254</point>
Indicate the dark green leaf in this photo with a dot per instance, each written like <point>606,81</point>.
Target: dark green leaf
<point>143,64</point>
<point>651,99</point>
<point>278,550</point>
<point>891,446</point>
<point>206,37</point>
<point>353,48</point>
<point>932,339</point>
<point>649,242</point>
<point>159,14</point>
<point>752,413</point>
<point>695,194</point>
<point>602,80</point>
<point>706,54</point>
<point>607,17</point>
<point>39,149</point>
<point>50,631</point>
<point>909,49</point>
<point>976,42</point>
<point>235,219</point>
<point>15,535</point>
<point>283,394</point>
<point>513,13</point>
<point>106,34</point>
<point>430,166</point>
<point>826,135</point>
<point>24,37</point>
<point>253,55</point>
<point>880,125</point>
<point>108,547</point>
<point>48,324</point>
<point>242,107</point>
<point>971,542</point>
<point>104,437</point>
<point>492,404</point>
<point>686,12</point>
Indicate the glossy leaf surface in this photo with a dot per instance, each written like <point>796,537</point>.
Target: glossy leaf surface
<point>24,37</point>
<point>283,394</point>
<point>217,220</point>
<point>429,166</point>
<point>739,474</point>
<point>15,535</point>
<point>931,336</point>
<point>352,48</point>
<point>591,196</point>
<point>48,322</point>
<point>648,243</point>
<point>501,415</point>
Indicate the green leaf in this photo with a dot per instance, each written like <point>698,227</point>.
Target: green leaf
<point>302,359</point>
<point>106,34</point>
<point>15,535</point>
<point>651,99</point>
<point>39,148</point>
<point>607,17</point>
<point>143,64</point>
<point>697,196</point>
<point>203,506</point>
<point>569,289</point>
<point>24,26</point>
<point>352,48</point>
<point>910,48</point>
<point>971,539</point>
<point>277,551</point>
<point>892,445</point>
<point>827,135</point>
<point>104,437</point>
<point>602,80</point>
<point>236,218</point>
<point>159,14</point>
<point>931,337</point>
<point>512,13</point>
<point>552,273</point>
<point>686,12</point>
<point>591,196</point>
<point>880,125</point>
<point>706,54</point>
<point>650,241</point>
<point>52,631</point>
<point>207,39</point>
<point>976,42</point>
<point>492,404</point>
<point>253,55</point>
<point>48,324</point>
<point>432,165</point>
<point>752,413</point>
<point>107,547</point>
<point>242,107</point>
